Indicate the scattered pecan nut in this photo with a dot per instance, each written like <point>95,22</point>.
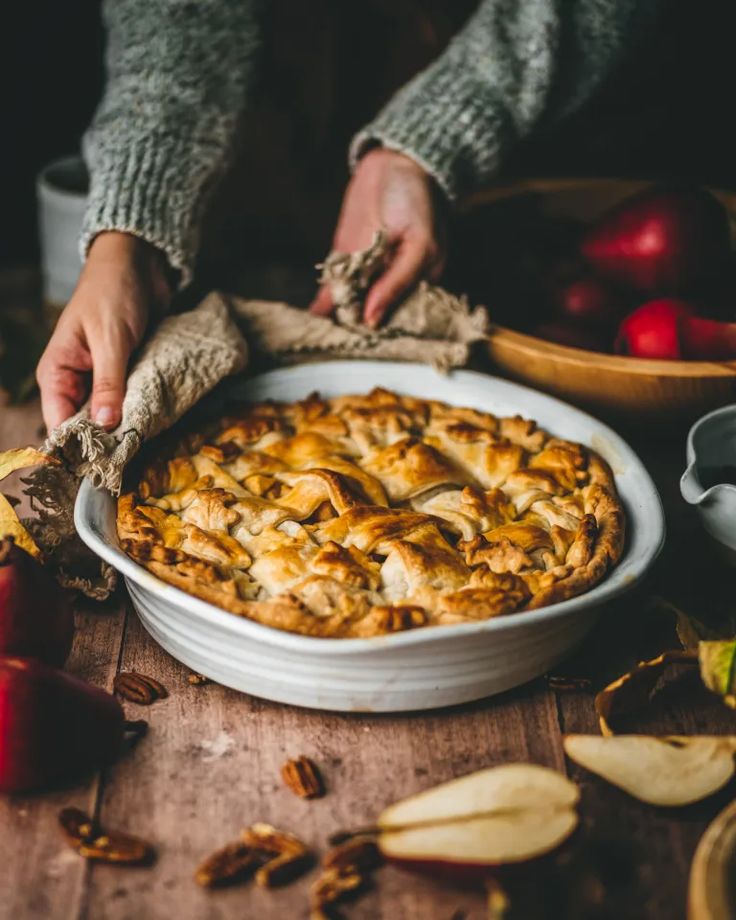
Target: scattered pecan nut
<point>335,885</point>
<point>90,841</point>
<point>303,778</point>
<point>345,873</point>
<point>286,856</point>
<point>271,856</point>
<point>233,863</point>
<point>115,847</point>
<point>139,688</point>
<point>359,853</point>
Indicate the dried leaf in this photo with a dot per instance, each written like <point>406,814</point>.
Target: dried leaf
<point>717,662</point>
<point>632,691</point>
<point>668,771</point>
<point>21,457</point>
<point>10,526</point>
<point>691,630</point>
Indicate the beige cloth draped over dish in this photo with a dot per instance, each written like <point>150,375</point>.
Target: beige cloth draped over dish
<point>189,353</point>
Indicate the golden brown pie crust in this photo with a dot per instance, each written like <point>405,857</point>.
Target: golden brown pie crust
<point>373,514</point>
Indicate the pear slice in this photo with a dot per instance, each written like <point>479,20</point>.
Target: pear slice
<point>494,817</point>
<point>497,840</point>
<point>666,771</point>
<point>511,787</point>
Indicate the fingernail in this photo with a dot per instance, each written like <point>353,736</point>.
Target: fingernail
<point>105,416</point>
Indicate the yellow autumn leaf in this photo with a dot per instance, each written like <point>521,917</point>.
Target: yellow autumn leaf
<point>717,662</point>
<point>632,691</point>
<point>10,526</point>
<point>20,457</point>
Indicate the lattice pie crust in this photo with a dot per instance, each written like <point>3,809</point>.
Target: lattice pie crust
<point>366,515</point>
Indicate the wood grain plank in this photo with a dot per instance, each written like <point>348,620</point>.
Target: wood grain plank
<point>210,766</point>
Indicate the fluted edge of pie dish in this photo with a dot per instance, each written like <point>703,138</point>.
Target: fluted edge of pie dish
<point>95,513</point>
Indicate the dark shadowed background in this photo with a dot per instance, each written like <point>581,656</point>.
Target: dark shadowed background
<point>327,66</point>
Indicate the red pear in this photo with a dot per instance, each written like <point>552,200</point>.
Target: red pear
<point>663,240</point>
<point>36,617</point>
<point>669,329</point>
<point>53,727</point>
<point>588,302</point>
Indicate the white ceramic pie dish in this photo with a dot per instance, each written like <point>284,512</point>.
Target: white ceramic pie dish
<point>418,669</point>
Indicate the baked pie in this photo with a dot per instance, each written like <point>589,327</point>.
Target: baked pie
<point>365,515</point>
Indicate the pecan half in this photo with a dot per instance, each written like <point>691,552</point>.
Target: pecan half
<point>90,841</point>
<point>115,847</point>
<point>139,688</point>
<point>289,855</point>
<point>233,863</point>
<point>359,853</point>
<point>334,885</point>
<point>303,778</point>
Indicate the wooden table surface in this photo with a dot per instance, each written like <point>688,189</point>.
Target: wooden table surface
<point>210,765</point>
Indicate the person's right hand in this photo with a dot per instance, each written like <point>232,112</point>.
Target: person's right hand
<point>122,285</point>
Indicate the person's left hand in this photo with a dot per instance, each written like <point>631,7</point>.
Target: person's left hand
<point>392,192</point>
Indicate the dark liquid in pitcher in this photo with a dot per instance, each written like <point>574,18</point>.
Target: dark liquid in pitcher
<point>717,475</point>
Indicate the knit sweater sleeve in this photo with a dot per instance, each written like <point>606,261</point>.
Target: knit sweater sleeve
<point>516,65</point>
<point>178,72</point>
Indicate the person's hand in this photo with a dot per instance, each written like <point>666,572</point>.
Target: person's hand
<point>123,283</point>
<point>389,191</point>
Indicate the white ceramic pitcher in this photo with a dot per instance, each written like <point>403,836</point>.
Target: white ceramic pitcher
<point>709,482</point>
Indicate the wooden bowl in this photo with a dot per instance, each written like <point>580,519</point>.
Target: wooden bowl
<point>634,390</point>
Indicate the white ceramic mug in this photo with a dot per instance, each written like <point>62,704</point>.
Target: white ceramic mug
<point>62,198</point>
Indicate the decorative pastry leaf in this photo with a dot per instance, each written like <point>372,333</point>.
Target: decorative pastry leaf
<point>662,771</point>
<point>717,662</point>
<point>632,691</point>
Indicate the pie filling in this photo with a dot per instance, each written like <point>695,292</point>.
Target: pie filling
<point>371,514</point>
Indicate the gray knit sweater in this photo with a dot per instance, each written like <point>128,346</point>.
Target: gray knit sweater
<point>179,73</point>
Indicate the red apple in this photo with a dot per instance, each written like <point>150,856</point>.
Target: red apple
<point>36,617</point>
<point>470,826</point>
<point>565,333</point>
<point>588,302</point>
<point>669,329</point>
<point>663,240</point>
<point>53,727</point>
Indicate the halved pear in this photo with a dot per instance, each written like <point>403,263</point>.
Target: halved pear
<point>511,787</point>
<point>668,771</point>
<point>494,817</point>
